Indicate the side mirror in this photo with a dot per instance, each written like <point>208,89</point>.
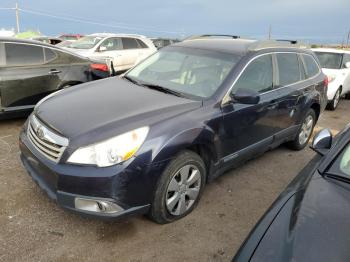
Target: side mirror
<point>246,96</point>
<point>347,64</point>
<point>322,142</point>
<point>102,49</point>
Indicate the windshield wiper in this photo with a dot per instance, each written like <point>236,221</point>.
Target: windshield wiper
<point>132,80</point>
<point>163,89</point>
<point>338,177</point>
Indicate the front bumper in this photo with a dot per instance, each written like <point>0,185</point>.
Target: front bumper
<point>130,185</point>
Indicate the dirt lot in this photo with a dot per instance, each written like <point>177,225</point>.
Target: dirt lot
<point>32,228</point>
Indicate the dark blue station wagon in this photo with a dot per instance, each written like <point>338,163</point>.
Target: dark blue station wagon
<point>149,141</point>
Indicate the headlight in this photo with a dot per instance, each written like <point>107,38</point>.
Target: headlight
<point>112,151</point>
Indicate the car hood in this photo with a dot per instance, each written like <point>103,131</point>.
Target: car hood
<point>108,107</point>
<point>313,225</point>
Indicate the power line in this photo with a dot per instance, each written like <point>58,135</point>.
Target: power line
<point>79,20</point>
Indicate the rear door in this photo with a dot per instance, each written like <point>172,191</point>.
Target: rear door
<point>30,73</point>
<point>292,93</point>
<point>131,51</point>
<point>24,78</point>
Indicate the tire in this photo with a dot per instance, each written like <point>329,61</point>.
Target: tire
<point>335,102</point>
<point>301,141</point>
<point>172,199</point>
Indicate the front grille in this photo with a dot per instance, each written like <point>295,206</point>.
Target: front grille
<point>45,141</point>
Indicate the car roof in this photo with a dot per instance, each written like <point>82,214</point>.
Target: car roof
<point>35,42</point>
<point>24,41</point>
<point>238,45</point>
<point>331,50</point>
<point>116,35</point>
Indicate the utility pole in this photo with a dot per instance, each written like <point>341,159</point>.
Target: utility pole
<point>347,41</point>
<point>17,17</point>
<point>270,32</point>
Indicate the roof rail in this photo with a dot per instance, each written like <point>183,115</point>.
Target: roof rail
<point>211,36</point>
<point>293,42</point>
<point>264,44</point>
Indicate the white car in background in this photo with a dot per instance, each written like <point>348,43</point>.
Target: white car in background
<point>120,51</point>
<point>336,65</point>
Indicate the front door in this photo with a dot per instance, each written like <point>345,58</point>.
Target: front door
<point>248,129</point>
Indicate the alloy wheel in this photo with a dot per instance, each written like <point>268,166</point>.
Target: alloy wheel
<point>183,190</point>
<point>306,130</point>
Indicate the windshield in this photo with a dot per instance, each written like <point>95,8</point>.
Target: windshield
<point>341,166</point>
<point>194,72</point>
<point>86,42</point>
<point>344,165</point>
<point>330,60</point>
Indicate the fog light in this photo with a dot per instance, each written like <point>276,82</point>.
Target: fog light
<point>96,205</point>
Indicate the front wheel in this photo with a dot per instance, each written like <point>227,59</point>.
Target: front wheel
<point>305,131</point>
<point>179,188</point>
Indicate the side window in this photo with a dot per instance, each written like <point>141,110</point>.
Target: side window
<point>23,55</point>
<point>288,68</point>
<point>346,59</point>
<point>257,76</point>
<point>312,68</point>
<point>141,44</point>
<point>50,55</point>
<point>129,43</point>
<point>112,44</point>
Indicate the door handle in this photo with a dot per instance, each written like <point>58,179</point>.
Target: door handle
<point>54,72</point>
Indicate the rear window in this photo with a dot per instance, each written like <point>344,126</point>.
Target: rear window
<point>23,55</point>
<point>49,55</point>
<point>312,68</point>
<point>141,43</point>
<point>330,60</point>
<point>130,43</point>
<point>288,67</point>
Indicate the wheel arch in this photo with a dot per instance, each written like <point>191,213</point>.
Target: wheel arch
<point>198,140</point>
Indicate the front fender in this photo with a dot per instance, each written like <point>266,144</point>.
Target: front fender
<point>200,136</point>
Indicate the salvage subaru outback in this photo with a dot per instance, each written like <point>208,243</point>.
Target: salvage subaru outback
<point>149,141</point>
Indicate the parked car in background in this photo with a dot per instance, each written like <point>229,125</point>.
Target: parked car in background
<point>310,220</point>
<point>64,43</point>
<point>30,70</point>
<point>47,40</point>
<point>150,140</point>
<point>121,50</point>
<point>70,37</point>
<point>163,42</point>
<point>336,65</point>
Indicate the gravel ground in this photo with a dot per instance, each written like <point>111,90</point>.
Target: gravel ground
<point>33,228</point>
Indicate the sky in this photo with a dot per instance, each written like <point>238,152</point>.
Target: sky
<point>313,21</point>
